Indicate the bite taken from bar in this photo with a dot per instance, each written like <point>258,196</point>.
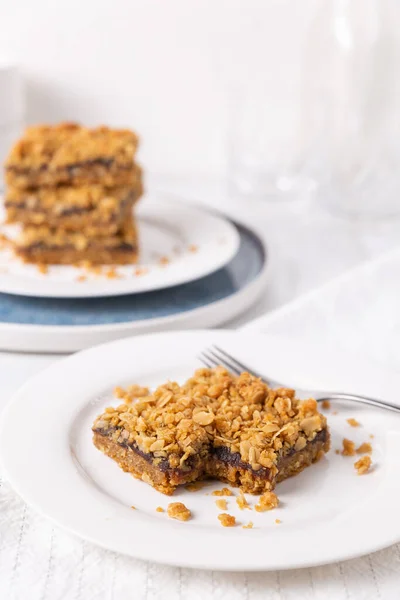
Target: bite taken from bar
<point>216,425</point>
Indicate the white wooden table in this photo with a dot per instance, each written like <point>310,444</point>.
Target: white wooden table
<point>39,562</point>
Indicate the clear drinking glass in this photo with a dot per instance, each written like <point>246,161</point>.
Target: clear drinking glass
<point>270,149</point>
<point>353,52</point>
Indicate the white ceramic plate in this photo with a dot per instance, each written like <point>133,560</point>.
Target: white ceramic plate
<point>328,513</point>
<point>178,244</point>
<point>66,325</point>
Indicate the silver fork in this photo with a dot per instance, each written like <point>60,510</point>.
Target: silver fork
<point>215,356</point>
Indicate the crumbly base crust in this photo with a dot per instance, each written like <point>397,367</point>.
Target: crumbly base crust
<point>65,255</point>
<point>134,463</point>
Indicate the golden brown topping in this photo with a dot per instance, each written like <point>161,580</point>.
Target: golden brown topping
<point>363,465</point>
<point>267,501</point>
<point>160,509</point>
<point>69,143</point>
<point>353,422</point>
<point>348,448</point>
<point>177,510</point>
<point>241,501</point>
<point>326,404</point>
<point>248,526</point>
<point>227,520</point>
<point>364,448</point>
<point>224,492</point>
<point>221,504</point>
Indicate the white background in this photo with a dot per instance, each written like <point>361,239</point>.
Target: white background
<point>162,67</point>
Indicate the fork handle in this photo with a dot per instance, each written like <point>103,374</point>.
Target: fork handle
<point>355,398</point>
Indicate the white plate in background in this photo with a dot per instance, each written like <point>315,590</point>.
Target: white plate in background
<point>178,244</point>
<point>328,513</point>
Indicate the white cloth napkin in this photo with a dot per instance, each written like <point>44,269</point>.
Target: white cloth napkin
<point>359,311</point>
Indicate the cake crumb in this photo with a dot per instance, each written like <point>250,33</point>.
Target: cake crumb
<point>81,278</point>
<point>242,502</point>
<point>177,510</point>
<point>112,274</point>
<point>248,526</point>
<point>133,507</point>
<point>221,504</point>
<point>364,448</point>
<point>224,492</point>
<point>267,501</point>
<point>227,520</point>
<point>195,486</point>
<point>335,412</point>
<point>163,261</point>
<point>278,521</point>
<point>193,248</point>
<point>160,509</point>
<point>371,435</point>
<point>326,404</point>
<point>139,271</point>
<point>353,422</point>
<point>363,465</point>
<point>337,451</point>
<point>43,269</point>
<point>348,448</point>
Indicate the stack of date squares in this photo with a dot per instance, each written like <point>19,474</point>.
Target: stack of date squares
<point>72,189</point>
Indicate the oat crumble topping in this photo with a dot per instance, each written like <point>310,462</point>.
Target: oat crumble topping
<point>81,278</point>
<point>133,507</point>
<point>163,261</point>
<point>249,525</point>
<point>348,448</point>
<point>267,501</point>
<point>363,465</point>
<point>221,504</point>
<point>326,404</point>
<point>177,510</point>
<point>160,509</point>
<point>353,422</point>
<point>193,248</point>
<point>227,520</point>
<point>364,448</point>
<point>277,521</point>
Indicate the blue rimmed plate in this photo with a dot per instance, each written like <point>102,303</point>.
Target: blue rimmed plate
<point>65,325</point>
